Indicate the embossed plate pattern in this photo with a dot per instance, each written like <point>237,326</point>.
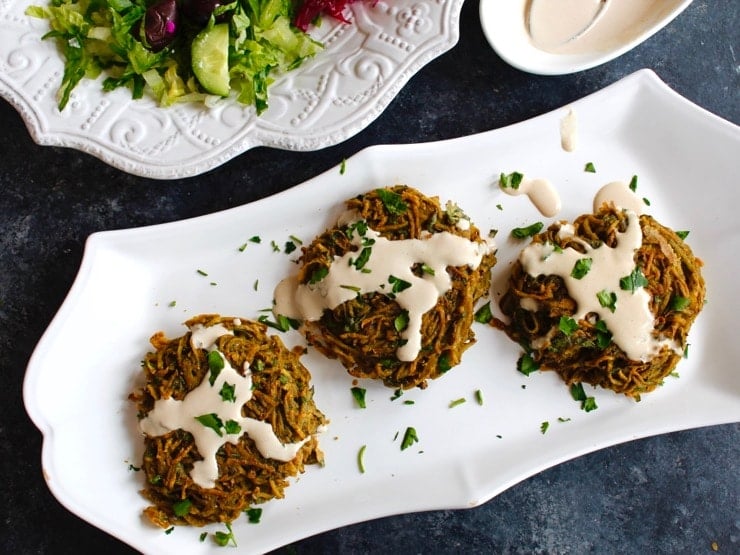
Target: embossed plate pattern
<point>88,361</point>
<point>325,101</point>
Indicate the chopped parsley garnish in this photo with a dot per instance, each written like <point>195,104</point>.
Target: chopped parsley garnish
<point>607,299</point>
<point>361,260</point>
<point>499,207</point>
<point>682,234</point>
<point>254,514</point>
<point>318,274</point>
<point>172,303</point>
<point>581,268</point>
<point>603,335</point>
<point>633,183</point>
<point>567,325</point>
<point>359,395</point>
<point>181,508</point>
<point>343,166</point>
<point>679,303</point>
<point>484,315</point>
<point>392,201</point>
<point>275,246</point>
<point>281,323</point>
<point>215,365</point>
<point>228,392</point>
<point>202,272</point>
<point>456,402</point>
<point>169,530</point>
<point>443,362</point>
<point>211,421</point>
<point>427,269</point>
<point>255,239</point>
<point>354,288</point>
<point>589,167</point>
<point>646,201</point>
<point>526,364</point>
<point>223,538</point>
<point>409,438</point>
<point>544,426</point>
<point>479,397</point>
<point>454,213</point>
<point>510,181</point>
<point>359,226</point>
<point>561,419</point>
<point>256,284</point>
<point>634,281</point>
<point>408,402</point>
<point>289,247</point>
<point>401,321</point>
<point>398,284</point>
<point>134,468</point>
<point>203,536</point>
<point>589,404</point>
<point>396,394</point>
<point>528,231</point>
<point>361,459</point>
<point>232,427</point>
<point>579,394</point>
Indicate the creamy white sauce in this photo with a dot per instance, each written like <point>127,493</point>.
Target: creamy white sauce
<point>530,304</point>
<point>171,414</point>
<point>587,26</point>
<point>569,131</point>
<point>631,323</point>
<point>388,258</point>
<point>202,337</point>
<point>541,193</point>
<point>620,195</point>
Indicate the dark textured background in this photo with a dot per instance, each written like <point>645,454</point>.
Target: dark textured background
<point>676,493</point>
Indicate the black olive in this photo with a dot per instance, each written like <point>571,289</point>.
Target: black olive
<point>199,11</point>
<point>160,24</point>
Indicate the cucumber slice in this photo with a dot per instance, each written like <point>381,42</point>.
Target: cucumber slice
<point>210,59</point>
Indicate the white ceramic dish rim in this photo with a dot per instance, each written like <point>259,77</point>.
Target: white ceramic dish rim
<point>491,466</point>
<point>502,22</point>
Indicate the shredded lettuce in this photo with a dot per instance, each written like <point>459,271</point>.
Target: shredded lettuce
<point>106,36</point>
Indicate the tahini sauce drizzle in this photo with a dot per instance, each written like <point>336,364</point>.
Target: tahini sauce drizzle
<point>541,192</point>
<point>586,26</point>
<point>621,195</point>
<point>632,323</point>
<point>569,131</point>
<point>170,414</point>
<point>388,258</point>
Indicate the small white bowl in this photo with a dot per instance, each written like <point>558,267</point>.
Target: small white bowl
<point>506,28</point>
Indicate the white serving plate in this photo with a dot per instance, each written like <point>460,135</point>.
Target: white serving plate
<point>88,360</point>
<point>504,25</point>
<point>325,101</point>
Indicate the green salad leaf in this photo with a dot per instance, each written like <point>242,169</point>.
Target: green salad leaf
<point>105,37</point>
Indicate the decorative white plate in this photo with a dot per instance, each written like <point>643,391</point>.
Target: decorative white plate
<point>505,27</point>
<point>325,101</point>
<point>88,360</point>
